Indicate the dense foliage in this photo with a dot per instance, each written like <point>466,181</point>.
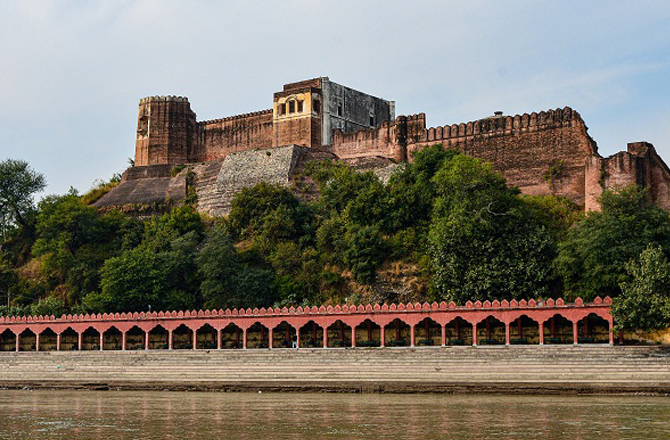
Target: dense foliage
<point>444,227</point>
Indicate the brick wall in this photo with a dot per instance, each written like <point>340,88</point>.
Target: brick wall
<point>219,137</point>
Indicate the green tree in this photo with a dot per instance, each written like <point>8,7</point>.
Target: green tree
<point>142,277</point>
<point>592,258</point>
<point>48,306</point>
<point>644,303</point>
<point>484,241</point>
<point>18,185</point>
<point>269,211</point>
<point>73,242</point>
<point>217,263</point>
<point>226,281</point>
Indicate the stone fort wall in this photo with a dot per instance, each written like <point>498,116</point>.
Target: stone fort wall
<point>549,152</point>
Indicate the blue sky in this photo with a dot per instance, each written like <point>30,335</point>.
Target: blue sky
<point>72,72</point>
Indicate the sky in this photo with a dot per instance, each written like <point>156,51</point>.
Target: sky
<point>72,72</point>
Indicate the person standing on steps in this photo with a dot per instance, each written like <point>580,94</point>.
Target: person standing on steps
<point>294,343</point>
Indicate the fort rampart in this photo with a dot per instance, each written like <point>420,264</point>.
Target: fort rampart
<point>547,152</point>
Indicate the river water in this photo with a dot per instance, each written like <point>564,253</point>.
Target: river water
<point>184,415</point>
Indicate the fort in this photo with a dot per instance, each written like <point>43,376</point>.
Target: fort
<point>549,152</point>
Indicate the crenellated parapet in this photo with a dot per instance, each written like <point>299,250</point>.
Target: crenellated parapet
<point>267,112</point>
<point>501,125</point>
<point>163,98</point>
<point>487,305</point>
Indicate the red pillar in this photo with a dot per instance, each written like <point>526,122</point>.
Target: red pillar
<point>575,333</point>
<point>353,335</point>
<point>611,325</point>
<point>244,338</point>
<point>507,338</point>
<point>297,337</point>
<point>412,335</point>
<point>18,343</point>
<point>541,328</point>
<point>58,342</point>
<point>270,338</point>
<point>218,339</point>
<point>474,335</point>
<point>325,337</point>
<point>146,340</point>
<point>102,340</point>
<point>123,341</point>
<point>382,335</point>
<point>169,339</point>
<point>37,342</point>
<point>79,341</point>
<point>195,339</point>
<point>444,335</point>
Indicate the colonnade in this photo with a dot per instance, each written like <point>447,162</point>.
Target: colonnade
<point>403,325</point>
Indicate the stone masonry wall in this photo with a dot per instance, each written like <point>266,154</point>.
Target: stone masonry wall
<point>219,137</point>
<point>639,165</point>
<point>219,181</point>
<point>541,153</point>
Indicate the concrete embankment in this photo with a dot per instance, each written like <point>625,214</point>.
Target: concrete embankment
<point>510,370</point>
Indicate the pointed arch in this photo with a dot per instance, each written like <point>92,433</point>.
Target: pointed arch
<point>258,336</point>
<point>397,333</point>
<point>311,335</point>
<point>428,332</point>
<point>458,331</point>
<point>338,335</point>
<point>135,338</point>
<point>182,338</point>
<point>593,329</point>
<point>368,334</point>
<point>206,337</point>
<point>491,331</point>
<point>27,340</point>
<point>524,330</point>
<point>48,340</point>
<point>231,336</point>
<point>158,338</point>
<point>7,340</point>
<point>112,339</point>
<point>283,335</point>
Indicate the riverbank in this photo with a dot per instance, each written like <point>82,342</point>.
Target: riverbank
<point>568,370</point>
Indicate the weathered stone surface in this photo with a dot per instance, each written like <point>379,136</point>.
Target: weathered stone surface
<point>135,190</point>
<point>549,152</point>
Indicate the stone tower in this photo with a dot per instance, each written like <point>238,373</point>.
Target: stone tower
<point>166,131</point>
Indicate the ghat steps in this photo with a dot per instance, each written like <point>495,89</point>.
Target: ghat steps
<point>549,368</point>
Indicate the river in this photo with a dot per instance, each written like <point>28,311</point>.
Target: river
<point>184,415</point>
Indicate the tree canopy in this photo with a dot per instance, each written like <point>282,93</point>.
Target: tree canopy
<point>18,185</point>
<point>444,227</point>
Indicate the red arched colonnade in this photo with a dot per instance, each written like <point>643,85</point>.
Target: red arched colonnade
<point>522,322</point>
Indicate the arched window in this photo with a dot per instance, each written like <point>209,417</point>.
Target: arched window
<point>291,106</point>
